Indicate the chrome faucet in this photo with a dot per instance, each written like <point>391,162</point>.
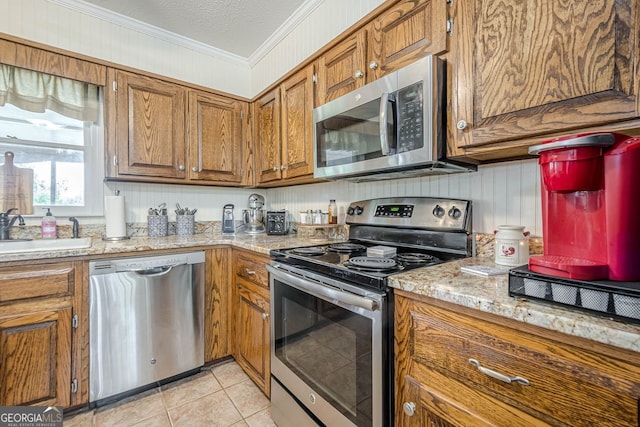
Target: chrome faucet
<point>6,222</point>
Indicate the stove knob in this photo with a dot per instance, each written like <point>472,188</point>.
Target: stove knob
<point>349,210</point>
<point>438,211</point>
<point>455,213</point>
<point>358,210</point>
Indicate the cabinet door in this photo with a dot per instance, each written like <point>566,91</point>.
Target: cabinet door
<point>150,134</point>
<point>405,33</point>
<point>267,137</point>
<point>525,69</point>
<point>297,124</point>
<point>215,138</point>
<point>342,69</point>
<point>252,331</point>
<point>218,301</point>
<point>35,359</point>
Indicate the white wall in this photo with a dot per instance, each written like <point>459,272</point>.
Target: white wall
<point>327,21</point>
<point>505,193</point>
<point>56,25</point>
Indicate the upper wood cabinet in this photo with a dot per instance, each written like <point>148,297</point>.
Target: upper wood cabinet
<point>149,126</point>
<point>522,70</point>
<point>284,131</point>
<point>215,138</point>
<point>400,35</point>
<point>160,131</point>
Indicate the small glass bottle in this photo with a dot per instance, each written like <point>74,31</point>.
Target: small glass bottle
<point>333,212</point>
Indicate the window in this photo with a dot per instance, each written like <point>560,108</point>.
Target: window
<point>64,149</point>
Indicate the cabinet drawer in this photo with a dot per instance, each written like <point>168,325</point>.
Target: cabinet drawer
<point>565,384</point>
<point>251,268</point>
<point>19,283</point>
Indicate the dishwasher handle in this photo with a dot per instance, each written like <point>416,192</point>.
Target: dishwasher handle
<point>155,271</point>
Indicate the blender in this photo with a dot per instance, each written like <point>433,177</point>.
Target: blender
<point>254,216</point>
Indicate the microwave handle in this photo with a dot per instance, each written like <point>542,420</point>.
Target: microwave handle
<point>384,111</point>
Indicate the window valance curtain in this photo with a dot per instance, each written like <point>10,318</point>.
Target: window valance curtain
<point>35,91</point>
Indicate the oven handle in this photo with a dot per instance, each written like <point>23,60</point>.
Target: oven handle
<point>323,291</point>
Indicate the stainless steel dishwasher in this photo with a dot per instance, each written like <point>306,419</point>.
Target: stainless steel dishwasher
<point>146,321</point>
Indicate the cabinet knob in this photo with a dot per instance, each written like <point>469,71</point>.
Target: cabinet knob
<point>265,316</point>
<point>409,408</point>
<point>283,167</point>
<point>462,124</point>
<point>275,168</point>
<point>373,65</point>
<point>181,167</point>
<point>194,169</point>
<point>358,74</point>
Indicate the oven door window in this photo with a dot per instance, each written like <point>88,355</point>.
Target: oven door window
<point>353,136</point>
<point>328,347</point>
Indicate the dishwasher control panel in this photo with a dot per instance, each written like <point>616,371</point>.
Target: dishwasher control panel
<point>108,266</point>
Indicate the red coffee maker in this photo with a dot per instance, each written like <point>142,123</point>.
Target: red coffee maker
<point>590,207</point>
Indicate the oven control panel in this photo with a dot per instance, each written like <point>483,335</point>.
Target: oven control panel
<point>403,211</point>
<point>412,212</point>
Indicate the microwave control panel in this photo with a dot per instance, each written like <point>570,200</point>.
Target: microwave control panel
<point>410,118</point>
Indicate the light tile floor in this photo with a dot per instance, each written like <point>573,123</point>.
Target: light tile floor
<point>222,395</point>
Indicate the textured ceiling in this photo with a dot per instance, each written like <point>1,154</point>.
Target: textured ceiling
<point>235,26</point>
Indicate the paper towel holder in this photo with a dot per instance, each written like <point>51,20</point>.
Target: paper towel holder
<point>115,238</point>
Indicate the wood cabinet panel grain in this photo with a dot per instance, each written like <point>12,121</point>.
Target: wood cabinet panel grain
<point>218,301</point>
<point>16,283</point>
<point>35,358</point>
<point>522,70</point>
<point>568,381</point>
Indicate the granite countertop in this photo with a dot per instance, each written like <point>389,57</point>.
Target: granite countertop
<point>260,243</point>
<point>448,283</point>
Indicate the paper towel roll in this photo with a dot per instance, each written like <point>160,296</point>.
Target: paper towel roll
<point>116,225</point>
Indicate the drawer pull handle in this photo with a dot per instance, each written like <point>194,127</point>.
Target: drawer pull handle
<point>249,272</point>
<point>498,375</point>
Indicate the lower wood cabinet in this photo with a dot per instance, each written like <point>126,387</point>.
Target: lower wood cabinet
<point>252,317</point>
<point>455,367</point>
<point>218,297</point>
<point>41,345</point>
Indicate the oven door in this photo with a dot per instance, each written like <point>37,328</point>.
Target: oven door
<point>327,346</point>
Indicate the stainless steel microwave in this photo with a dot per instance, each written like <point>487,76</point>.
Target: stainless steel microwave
<point>390,128</point>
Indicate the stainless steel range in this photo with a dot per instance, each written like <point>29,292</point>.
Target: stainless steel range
<point>332,310</point>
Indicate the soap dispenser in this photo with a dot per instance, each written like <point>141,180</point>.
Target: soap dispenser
<point>49,230</point>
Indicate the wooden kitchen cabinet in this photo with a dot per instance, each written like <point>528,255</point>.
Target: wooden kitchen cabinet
<point>215,138</point>
<point>556,379</point>
<point>523,71</point>
<point>252,333</point>
<point>41,345</point>
<point>164,132</point>
<point>149,128</point>
<point>402,34</point>
<point>284,132</point>
<point>218,297</point>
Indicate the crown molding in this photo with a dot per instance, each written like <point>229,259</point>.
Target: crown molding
<point>284,30</point>
<point>150,30</point>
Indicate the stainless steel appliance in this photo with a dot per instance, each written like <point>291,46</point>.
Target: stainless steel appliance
<point>332,311</point>
<point>228,221</point>
<point>146,321</point>
<point>253,218</point>
<point>277,222</point>
<point>392,127</point>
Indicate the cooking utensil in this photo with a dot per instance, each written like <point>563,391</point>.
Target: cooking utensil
<point>16,186</point>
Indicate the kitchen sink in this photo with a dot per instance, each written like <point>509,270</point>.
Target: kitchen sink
<point>12,246</point>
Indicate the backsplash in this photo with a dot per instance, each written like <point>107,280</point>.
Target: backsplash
<point>504,193</point>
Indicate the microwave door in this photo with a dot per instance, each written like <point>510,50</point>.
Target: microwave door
<point>349,138</point>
